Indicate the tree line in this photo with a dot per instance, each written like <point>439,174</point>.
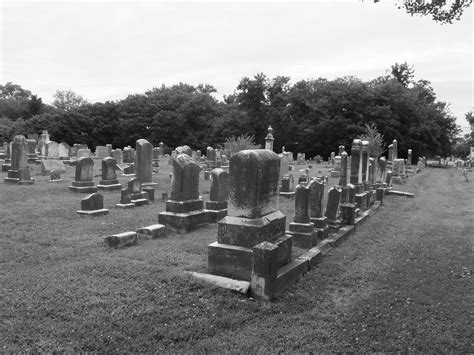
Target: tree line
<point>314,116</point>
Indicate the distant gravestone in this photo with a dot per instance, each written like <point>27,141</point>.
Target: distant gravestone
<point>49,164</point>
<point>217,205</point>
<point>287,186</point>
<point>102,152</point>
<point>93,205</point>
<point>382,167</point>
<point>83,176</point>
<point>343,173</point>
<point>109,180</point>
<point>144,162</point>
<point>117,155</point>
<point>32,157</point>
<point>334,198</point>
<point>125,199</point>
<point>128,155</point>
<point>137,195</point>
<point>52,150</point>
<point>63,150</point>
<point>19,172</point>
<point>55,176</point>
<point>355,161</point>
<point>84,153</point>
<point>302,229</point>
<point>184,210</point>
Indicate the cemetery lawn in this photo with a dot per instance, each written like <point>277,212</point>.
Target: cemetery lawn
<point>403,282</point>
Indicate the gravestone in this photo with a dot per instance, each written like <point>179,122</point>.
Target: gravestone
<point>184,209</point>
<point>284,163</point>
<point>287,186</point>
<point>83,178</point>
<point>144,162</point>
<point>93,205</point>
<point>217,205</point>
<point>302,229</point>
<point>84,153</point>
<point>109,180</point>
<point>128,155</point>
<point>32,157</point>
<point>356,157</point>
<point>382,170</point>
<point>117,155</point>
<point>336,170</point>
<point>409,158</point>
<point>55,176</point>
<point>347,206</point>
<point>395,149</point>
<point>184,149</point>
<point>331,157</point>
<point>137,195</point>
<point>343,173</point>
<point>51,164</point>
<point>365,164</point>
<point>125,199</point>
<point>316,198</point>
<point>371,175</point>
<point>19,172</point>
<point>51,150</point>
<point>269,139</point>
<point>156,157</point>
<point>63,150</point>
<point>332,208</point>
<point>252,217</point>
<point>301,159</point>
<point>210,157</point>
<point>102,152</point>
<point>43,139</point>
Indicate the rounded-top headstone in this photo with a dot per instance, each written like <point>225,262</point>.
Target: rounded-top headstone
<point>253,183</point>
<point>220,185</point>
<point>185,185</point>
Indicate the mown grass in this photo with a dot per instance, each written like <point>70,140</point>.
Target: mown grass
<point>401,283</point>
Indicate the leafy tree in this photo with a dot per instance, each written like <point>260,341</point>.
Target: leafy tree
<point>17,103</point>
<point>376,140</point>
<point>441,11</point>
<point>403,73</point>
<point>66,100</point>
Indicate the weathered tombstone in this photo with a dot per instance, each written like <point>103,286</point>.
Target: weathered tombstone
<point>102,152</point>
<point>355,161</point>
<point>284,163</point>
<point>84,153</point>
<point>343,173</point>
<point>371,177</point>
<point>109,180</point>
<point>253,216</point>
<point>184,210</point>
<point>269,139</point>
<point>52,150</point>
<point>332,156</point>
<point>316,198</point>
<point>137,195</point>
<point>336,170</point>
<point>302,229</point>
<point>63,150</point>
<point>144,162</point>
<point>51,164</point>
<point>287,186</point>
<point>395,149</point>
<point>128,155</point>
<point>217,205</point>
<point>156,157</point>
<point>348,207</point>
<point>83,177</point>
<point>409,158</point>
<point>388,178</point>
<point>117,155</point>
<point>332,208</point>
<point>55,176</point>
<point>382,162</point>
<point>19,172</point>
<point>93,205</point>
<point>125,199</point>
<point>210,158</point>
<point>129,170</point>
<point>184,149</point>
<point>7,163</point>
<point>43,139</point>
<point>398,171</point>
<point>303,179</point>
<point>365,164</point>
<point>32,157</point>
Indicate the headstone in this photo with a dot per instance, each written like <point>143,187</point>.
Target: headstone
<point>93,205</point>
<point>333,155</point>
<point>302,230</point>
<point>52,150</point>
<point>32,157</point>
<point>371,175</point>
<point>287,186</point>
<point>395,149</point>
<point>125,199</point>
<point>84,153</point>
<point>269,139</point>
<point>184,150</point>
<point>102,152</point>
<point>332,208</point>
<point>109,180</point>
<point>184,210</point>
<point>365,162</point>
<point>284,163</point>
<point>253,215</point>
<point>117,155</point>
<point>343,173</point>
<point>83,177</point>
<point>316,198</point>
<point>410,157</point>
<point>137,195</point>
<point>347,206</point>
<point>43,139</point>
<point>50,164</point>
<point>156,157</point>
<point>356,156</point>
<point>144,162</point>
<point>336,170</point>
<point>217,205</point>
<point>19,172</point>
<point>55,176</point>
<point>63,150</point>
<point>382,170</point>
<point>128,155</point>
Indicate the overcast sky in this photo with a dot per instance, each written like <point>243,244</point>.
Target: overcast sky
<point>108,50</point>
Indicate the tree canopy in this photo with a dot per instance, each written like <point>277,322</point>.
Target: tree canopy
<point>314,116</point>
